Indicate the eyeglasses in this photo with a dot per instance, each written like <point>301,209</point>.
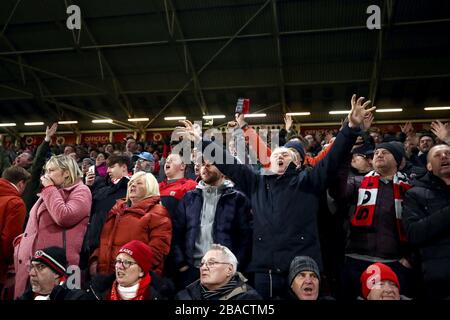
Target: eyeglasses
<point>211,263</point>
<point>36,266</point>
<point>125,263</point>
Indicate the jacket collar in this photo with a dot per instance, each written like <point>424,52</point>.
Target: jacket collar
<point>76,184</point>
<point>143,205</point>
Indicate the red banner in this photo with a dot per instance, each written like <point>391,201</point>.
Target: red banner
<point>158,136</point>
<point>120,136</point>
<point>102,138</point>
<point>33,140</point>
<point>64,139</point>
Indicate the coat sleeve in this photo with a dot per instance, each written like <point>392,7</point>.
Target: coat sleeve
<point>13,221</point>
<point>318,178</point>
<point>263,152</point>
<point>67,214</point>
<point>421,226</point>
<point>244,231</point>
<point>242,175</point>
<point>160,234</point>
<point>33,186</point>
<point>312,161</point>
<point>179,233</point>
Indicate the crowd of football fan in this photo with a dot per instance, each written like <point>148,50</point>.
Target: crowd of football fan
<point>356,214</point>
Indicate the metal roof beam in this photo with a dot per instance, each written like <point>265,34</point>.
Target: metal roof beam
<point>5,26</point>
<point>42,88</point>
<point>231,87</point>
<point>56,75</point>
<point>214,56</point>
<point>172,22</point>
<point>387,14</point>
<point>276,34</point>
<point>218,38</point>
<point>116,83</point>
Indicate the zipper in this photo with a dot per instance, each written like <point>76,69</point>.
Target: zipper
<point>270,281</point>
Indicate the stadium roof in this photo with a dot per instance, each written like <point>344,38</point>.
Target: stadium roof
<point>142,58</point>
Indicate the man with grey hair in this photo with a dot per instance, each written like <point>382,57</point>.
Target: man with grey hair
<point>285,202</point>
<point>219,279</point>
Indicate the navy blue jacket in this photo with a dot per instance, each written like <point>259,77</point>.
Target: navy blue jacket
<point>285,207</point>
<point>232,226</point>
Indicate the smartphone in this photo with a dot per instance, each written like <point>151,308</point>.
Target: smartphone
<point>91,169</point>
<point>243,106</point>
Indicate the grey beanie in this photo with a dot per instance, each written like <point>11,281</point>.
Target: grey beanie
<point>300,264</point>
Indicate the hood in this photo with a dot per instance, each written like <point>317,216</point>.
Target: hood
<point>226,184</point>
<point>7,189</point>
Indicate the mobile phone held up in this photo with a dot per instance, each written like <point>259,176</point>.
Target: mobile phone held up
<point>243,106</point>
<point>91,169</point>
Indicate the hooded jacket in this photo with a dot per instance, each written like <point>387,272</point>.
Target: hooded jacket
<point>231,223</point>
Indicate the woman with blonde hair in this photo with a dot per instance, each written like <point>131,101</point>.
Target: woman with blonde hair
<point>58,218</point>
<point>138,217</point>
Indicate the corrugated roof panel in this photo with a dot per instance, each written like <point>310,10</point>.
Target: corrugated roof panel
<point>223,21</point>
<point>239,53</point>
<point>320,14</point>
<point>406,11</point>
<point>126,29</point>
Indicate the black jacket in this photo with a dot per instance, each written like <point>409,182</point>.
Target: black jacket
<point>104,196</point>
<point>60,292</point>
<point>242,291</point>
<point>426,218</point>
<point>285,207</point>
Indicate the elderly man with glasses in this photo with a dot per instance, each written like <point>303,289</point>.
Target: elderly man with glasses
<point>219,279</point>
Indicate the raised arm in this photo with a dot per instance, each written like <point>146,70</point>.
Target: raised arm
<point>243,175</point>
<point>328,167</point>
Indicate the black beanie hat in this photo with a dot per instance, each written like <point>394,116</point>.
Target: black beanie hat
<point>394,147</point>
<point>52,257</point>
<point>296,145</point>
<point>300,264</point>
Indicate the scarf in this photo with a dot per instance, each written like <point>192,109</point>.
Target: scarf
<point>216,294</point>
<point>141,292</point>
<point>367,198</point>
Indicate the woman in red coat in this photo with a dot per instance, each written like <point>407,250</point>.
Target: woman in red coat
<point>139,217</point>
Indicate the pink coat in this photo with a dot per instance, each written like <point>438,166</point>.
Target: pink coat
<point>56,211</point>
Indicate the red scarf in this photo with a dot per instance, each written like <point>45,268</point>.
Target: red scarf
<point>367,198</point>
<point>144,283</point>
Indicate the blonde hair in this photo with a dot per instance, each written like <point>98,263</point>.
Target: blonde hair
<point>65,163</point>
<point>151,185</point>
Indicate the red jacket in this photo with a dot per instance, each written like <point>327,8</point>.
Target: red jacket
<point>12,216</point>
<point>147,221</point>
<point>176,189</point>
